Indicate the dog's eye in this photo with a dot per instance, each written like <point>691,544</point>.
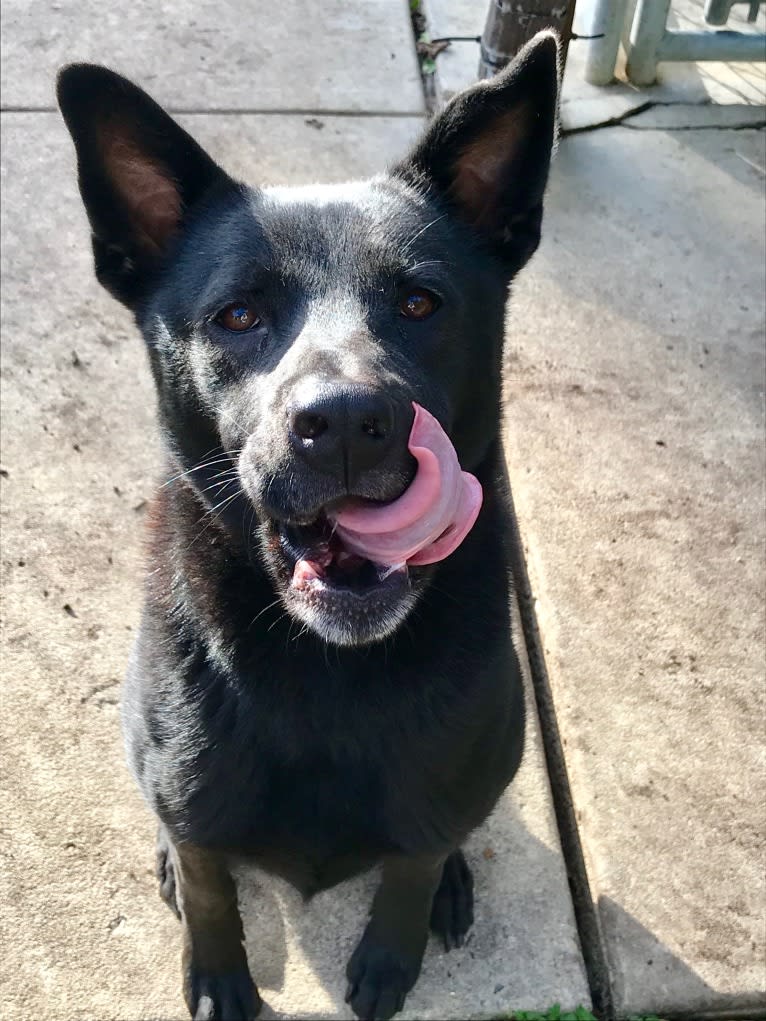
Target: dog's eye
<point>417,303</point>
<point>237,317</point>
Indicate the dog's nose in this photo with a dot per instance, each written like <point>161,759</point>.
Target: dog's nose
<point>343,430</point>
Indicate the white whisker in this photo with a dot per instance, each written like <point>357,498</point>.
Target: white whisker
<point>411,242</point>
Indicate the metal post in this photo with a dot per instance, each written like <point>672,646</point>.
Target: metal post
<point>646,34</point>
<point>511,23</point>
<point>609,18</point>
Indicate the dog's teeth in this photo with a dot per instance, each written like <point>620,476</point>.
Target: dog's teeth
<point>305,573</point>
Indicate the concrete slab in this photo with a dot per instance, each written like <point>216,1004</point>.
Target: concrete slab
<point>636,446</point>
<point>87,935</point>
<point>228,54</point>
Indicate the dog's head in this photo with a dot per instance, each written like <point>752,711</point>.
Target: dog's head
<point>290,330</point>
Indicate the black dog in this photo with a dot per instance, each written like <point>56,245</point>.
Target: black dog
<point>318,729</point>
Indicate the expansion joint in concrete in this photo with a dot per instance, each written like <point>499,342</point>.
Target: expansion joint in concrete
<point>586,915</point>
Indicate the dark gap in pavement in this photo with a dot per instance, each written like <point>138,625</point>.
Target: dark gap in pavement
<point>755,1013</point>
<point>420,34</point>
<point>586,915</point>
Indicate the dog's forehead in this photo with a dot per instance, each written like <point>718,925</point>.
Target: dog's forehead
<point>367,226</point>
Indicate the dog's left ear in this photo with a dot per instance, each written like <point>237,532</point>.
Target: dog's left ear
<point>488,153</point>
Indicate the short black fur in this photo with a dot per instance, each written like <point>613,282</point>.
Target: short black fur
<point>381,721</point>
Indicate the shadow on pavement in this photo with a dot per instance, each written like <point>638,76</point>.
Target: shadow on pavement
<point>518,955</point>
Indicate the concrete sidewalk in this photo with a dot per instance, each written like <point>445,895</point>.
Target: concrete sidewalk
<point>635,442</point>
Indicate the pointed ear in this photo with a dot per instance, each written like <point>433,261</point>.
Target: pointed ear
<point>139,174</point>
<point>488,153</point>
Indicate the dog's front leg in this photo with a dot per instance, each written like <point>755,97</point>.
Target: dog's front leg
<point>386,963</point>
<point>216,979</point>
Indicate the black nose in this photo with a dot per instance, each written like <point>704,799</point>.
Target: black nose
<point>343,430</point>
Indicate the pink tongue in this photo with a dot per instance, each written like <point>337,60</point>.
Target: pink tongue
<point>433,515</point>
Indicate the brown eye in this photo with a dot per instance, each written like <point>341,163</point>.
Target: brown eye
<point>237,317</point>
<point>418,303</point>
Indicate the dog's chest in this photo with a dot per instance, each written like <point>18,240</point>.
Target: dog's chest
<point>264,776</point>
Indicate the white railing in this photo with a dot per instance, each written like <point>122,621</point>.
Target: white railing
<point>647,39</point>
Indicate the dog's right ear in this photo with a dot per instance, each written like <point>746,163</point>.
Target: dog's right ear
<point>139,172</point>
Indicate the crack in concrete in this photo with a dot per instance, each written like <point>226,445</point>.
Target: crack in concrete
<point>610,122</point>
<point>744,126</point>
<point>621,120</point>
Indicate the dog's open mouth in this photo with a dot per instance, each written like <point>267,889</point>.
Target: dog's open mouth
<point>355,571</point>
<point>320,563</point>
<point>347,599</point>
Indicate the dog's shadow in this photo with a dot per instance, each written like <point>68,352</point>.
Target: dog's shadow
<point>523,945</point>
<point>522,953</point>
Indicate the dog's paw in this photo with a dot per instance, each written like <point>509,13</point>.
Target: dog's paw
<point>452,911</point>
<point>379,979</point>
<point>227,997</point>
<point>165,873</point>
